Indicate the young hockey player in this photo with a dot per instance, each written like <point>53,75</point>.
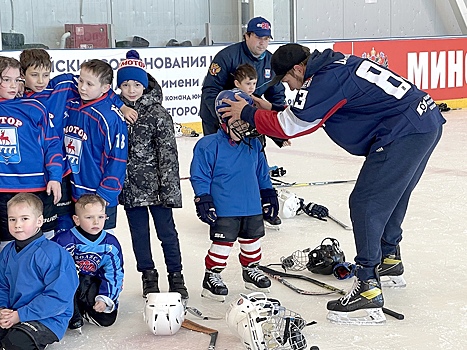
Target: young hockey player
<point>369,111</point>
<point>36,66</point>
<point>98,256</point>
<point>245,78</point>
<point>37,281</point>
<point>233,190</point>
<point>31,158</point>
<point>152,182</point>
<point>96,139</point>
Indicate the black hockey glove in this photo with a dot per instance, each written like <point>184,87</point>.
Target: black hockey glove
<point>270,203</point>
<point>277,172</point>
<point>205,209</point>
<point>314,210</point>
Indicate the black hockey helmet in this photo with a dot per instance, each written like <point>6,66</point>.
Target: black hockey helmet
<point>324,257</point>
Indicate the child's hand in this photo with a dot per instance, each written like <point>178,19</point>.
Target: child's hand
<point>55,188</point>
<point>99,306</point>
<point>8,318</point>
<point>129,113</point>
<point>261,103</point>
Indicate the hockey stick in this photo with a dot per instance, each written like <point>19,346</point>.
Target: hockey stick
<point>291,286</point>
<point>323,285</point>
<point>196,312</point>
<point>281,184</point>
<point>340,223</point>
<point>193,326</point>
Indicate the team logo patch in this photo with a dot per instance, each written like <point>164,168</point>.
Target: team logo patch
<point>9,147</point>
<point>267,73</point>
<point>214,69</point>
<point>88,262</point>
<point>73,148</point>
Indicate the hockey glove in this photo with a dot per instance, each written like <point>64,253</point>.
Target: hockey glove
<point>205,209</point>
<point>314,210</point>
<point>270,203</point>
<point>344,270</point>
<point>277,171</point>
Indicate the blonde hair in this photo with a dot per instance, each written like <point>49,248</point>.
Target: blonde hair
<point>30,199</point>
<point>89,198</point>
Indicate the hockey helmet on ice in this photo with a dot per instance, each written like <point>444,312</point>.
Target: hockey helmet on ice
<point>289,204</point>
<point>164,313</point>
<point>324,257</point>
<point>262,323</point>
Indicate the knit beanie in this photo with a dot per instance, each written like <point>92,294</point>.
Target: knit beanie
<point>133,68</point>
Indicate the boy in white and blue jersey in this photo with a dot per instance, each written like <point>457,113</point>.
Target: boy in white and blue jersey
<point>98,256</point>
<point>31,157</point>
<point>36,66</point>
<point>96,139</point>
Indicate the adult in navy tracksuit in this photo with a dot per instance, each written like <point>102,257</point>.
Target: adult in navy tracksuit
<point>369,111</point>
<point>252,50</point>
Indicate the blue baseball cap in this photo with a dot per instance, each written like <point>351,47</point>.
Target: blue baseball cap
<point>260,26</point>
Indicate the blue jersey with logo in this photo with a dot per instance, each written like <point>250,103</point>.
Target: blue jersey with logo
<point>30,149</point>
<point>96,148</point>
<point>102,258</point>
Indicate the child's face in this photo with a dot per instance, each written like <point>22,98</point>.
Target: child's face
<point>240,126</point>
<point>10,81</point>
<point>23,223</point>
<point>37,78</point>
<point>132,90</point>
<point>247,85</point>
<point>89,86</point>
<point>91,218</point>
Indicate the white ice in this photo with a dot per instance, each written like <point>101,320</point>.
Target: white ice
<point>433,251</point>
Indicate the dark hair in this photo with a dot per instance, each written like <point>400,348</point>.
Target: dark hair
<point>35,58</point>
<point>102,70</point>
<point>31,199</point>
<point>8,62</point>
<point>89,198</point>
<point>245,71</point>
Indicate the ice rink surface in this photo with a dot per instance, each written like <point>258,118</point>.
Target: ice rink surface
<point>433,251</point>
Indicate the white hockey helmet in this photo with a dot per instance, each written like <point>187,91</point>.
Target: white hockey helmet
<point>262,324</point>
<point>164,313</point>
<point>289,203</point>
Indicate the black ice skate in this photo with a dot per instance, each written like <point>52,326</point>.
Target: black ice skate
<point>391,271</point>
<point>362,305</point>
<point>177,284</point>
<point>213,286</point>
<point>273,223</point>
<point>150,282</point>
<point>76,323</point>
<point>255,279</point>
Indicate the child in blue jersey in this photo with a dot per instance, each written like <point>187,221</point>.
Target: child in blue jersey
<point>96,139</point>
<point>54,93</point>
<point>98,256</point>
<point>233,190</point>
<point>37,280</point>
<point>31,157</point>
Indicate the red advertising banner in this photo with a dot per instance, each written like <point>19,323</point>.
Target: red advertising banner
<point>437,66</point>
